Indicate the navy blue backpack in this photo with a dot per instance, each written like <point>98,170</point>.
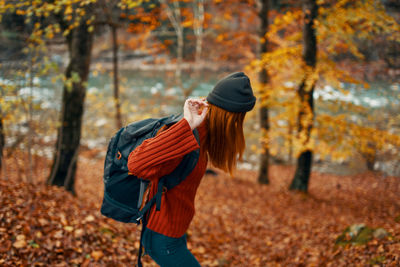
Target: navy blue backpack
<point>125,194</point>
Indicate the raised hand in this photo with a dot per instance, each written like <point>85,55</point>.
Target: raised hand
<point>194,111</point>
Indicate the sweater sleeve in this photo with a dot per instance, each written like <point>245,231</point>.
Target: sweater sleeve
<point>160,155</point>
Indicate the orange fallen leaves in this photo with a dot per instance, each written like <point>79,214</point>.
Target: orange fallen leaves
<point>96,255</point>
<point>237,223</point>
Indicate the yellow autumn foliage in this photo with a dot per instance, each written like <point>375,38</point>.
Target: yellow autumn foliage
<point>333,136</point>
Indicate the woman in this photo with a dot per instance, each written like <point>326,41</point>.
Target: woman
<point>219,122</point>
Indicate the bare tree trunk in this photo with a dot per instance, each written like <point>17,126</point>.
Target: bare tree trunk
<point>305,93</point>
<point>178,71</point>
<point>174,16</point>
<point>263,78</point>
<point>370,158</point>
<point>65,160</point>
<point>2,142</point>
<point>198,10</point>
<point>30,131</point>
<point>198,30</point>
<point>290,134</point>
<point>118,118</point>
<point>3,169</point>
<point>180,44</point>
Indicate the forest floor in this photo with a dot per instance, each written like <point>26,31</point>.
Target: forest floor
<point>238,222</point>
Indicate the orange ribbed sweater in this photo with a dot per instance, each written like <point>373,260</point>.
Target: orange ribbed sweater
<point>159,156</point>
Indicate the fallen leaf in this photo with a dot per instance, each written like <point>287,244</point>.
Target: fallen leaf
<point>96,255</point>
<point>68,228</point>
<point>89,218</point>
<point>58,234</point>
<point>20,244</point>
<point>20,237</point>
<point>78,233</point>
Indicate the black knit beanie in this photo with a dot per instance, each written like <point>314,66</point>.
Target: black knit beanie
<point>233,93</point>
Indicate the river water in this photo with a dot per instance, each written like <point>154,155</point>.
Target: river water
<point>153,93</point>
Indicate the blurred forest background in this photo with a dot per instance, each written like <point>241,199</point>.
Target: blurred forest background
<point>327,123</point>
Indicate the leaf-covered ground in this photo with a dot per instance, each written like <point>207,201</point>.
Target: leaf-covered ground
<point>237,223</point>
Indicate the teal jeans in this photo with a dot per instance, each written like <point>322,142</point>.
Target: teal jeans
<point>168,251</point>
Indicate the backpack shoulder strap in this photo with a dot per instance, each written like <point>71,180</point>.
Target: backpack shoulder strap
<point>186,166</point>
<point>180,173</point>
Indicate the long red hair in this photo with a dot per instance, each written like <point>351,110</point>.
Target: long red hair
<point>225,142</point>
